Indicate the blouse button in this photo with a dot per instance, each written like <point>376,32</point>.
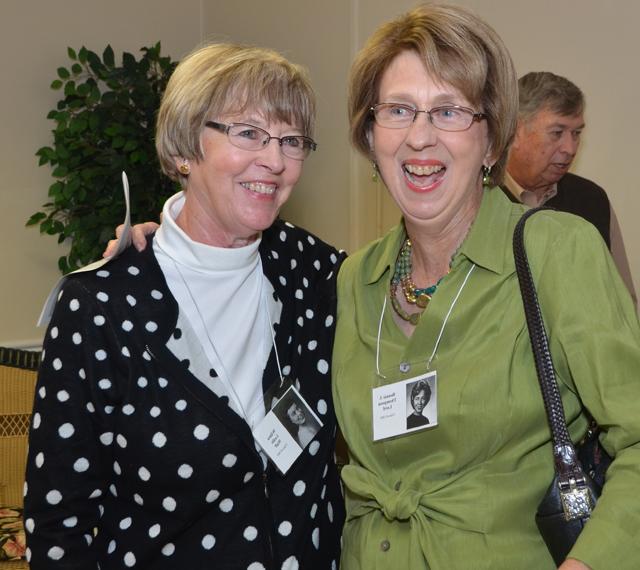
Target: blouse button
<point>397,485</point>
<point>405,367</point>
<point>385,545</point>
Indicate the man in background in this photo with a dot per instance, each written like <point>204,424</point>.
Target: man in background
<point>550,123</point>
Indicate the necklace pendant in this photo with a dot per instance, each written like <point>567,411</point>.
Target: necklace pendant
<point>414,318</point>
<point>422,300</point>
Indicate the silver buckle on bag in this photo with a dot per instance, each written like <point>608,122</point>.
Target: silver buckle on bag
<point>577,502</point>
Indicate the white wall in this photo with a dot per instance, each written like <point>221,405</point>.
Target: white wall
<point>590,41</point>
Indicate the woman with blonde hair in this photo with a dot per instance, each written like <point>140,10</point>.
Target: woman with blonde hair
<point>160,367</point>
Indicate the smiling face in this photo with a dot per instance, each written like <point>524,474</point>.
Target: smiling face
<point>419,401</point>
<point>544,148</point>
<point>233,194</point>
<point>434,176</point>
<point>296,414</point>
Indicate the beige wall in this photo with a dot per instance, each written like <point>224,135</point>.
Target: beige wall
<point>587,40</point>
<point>34,35</point>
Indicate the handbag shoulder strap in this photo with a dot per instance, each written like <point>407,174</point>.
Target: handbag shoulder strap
<point>563,449</point>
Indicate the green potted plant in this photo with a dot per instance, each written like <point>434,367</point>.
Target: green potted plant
<point>104,125</point>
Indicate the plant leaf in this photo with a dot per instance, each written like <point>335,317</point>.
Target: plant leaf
<point>107,56</point>
<point>35,218</point>
<point>70,89</point>
<point>104,123</point>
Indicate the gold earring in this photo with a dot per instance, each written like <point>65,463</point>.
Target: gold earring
<point>374,175</point>
<point>486,175</point>
<point>184,168</point>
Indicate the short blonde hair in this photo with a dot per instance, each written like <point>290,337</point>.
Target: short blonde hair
<point>219,79</point>
<point>457,48</point>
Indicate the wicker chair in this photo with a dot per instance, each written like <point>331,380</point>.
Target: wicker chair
<point>18,371</point>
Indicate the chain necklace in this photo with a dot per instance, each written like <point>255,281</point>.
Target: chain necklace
<point>414,295</point>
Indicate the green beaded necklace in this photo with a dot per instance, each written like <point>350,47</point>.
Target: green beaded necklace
<point>414,295</point>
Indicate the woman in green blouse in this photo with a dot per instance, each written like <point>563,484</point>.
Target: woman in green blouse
<point>433,104</point>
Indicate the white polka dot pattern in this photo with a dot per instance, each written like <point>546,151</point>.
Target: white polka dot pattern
<point>201,432</point>
<point>81,465</point>
<point>127,425</point>
<point>129,560</point>
<point>154,531</point>
<point>290,563</point>
<point>208,541</point>
<point>250,533</point>
<point>54,497</point>
<point>169,504</point>
<point>299,488</point>
<point>55,553</point>
<point>229,460</point>
<point>185,471</point>
<point>212,496</point>
<point>159,439</point>
<point>285,528</point>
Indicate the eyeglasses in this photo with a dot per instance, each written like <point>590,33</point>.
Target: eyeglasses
<point>445,117</point>
<point>248,137</point>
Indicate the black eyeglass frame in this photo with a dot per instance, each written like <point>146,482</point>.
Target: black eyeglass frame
<point>225,128</point>
<point>475,117</point>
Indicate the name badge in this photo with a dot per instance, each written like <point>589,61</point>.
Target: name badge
<point>405,406</point>
<point>287,429</point>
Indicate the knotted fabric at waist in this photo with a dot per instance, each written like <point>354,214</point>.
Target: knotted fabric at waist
<point>457,501</point>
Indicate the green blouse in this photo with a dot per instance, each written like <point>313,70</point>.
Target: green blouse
<point>462,495</point>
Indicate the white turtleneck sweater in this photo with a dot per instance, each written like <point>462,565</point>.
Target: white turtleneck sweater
<point>227,301</point>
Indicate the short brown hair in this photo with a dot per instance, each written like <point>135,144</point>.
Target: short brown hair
<point>457,48</point>
<point>218,79</point>
<point>544,90</point>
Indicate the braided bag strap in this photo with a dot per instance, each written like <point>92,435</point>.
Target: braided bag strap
<point>564,450</point>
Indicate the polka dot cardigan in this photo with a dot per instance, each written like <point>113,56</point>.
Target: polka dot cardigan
<point>135,463</point>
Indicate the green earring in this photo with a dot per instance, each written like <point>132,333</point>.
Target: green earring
<point>374,174</point>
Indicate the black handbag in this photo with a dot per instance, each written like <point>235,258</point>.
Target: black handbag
<point>579,470</point>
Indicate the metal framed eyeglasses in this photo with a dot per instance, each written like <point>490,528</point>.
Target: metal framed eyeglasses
<point>249,137</point>
<point>444,117</point>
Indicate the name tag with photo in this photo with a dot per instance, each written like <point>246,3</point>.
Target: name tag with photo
<point>405,406</point>
<point>287,429</point>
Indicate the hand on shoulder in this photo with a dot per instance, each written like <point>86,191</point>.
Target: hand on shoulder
<point>138,237</point>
